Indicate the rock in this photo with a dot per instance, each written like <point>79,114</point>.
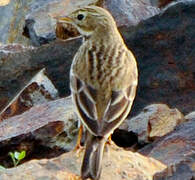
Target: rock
<point>163,3</point>
<point>53,125</point>
<point>130,12</point>
<point>164,48</point>
<point>176,150</point>
<point>38,91</point>
<point>118,164</point>
<point>12,15</point>
<point>18,65</point>
<point>32,19</point>
<point>40,26</point>
<point>190,116</point>
<point>4,2</point>
<point>154,121</point>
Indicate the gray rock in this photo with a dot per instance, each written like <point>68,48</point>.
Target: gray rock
<point>130,12</point>
<point>40,27</point>
<point>190,116</point>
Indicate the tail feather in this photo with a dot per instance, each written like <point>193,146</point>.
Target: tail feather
<point>91,166</point>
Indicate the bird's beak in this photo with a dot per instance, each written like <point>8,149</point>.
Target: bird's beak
<point>63,19</point>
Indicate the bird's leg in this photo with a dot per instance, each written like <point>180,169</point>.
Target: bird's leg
<point>78,143</point>
<point>109,141</point>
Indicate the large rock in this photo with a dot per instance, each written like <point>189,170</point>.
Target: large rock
<point>118,164</point>
<point>40,27</point>
<point>38,91</point>
<point>154,121</point>
<point>164,48</point>
<point>52,126</point>
<point>130,12</point>
<point>18,65</point>
<point>12,20</point>
<point>39,24</point>
<point>16,19</point>
<point>177,151</point>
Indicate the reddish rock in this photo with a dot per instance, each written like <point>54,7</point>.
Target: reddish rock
<point>154,121</point>
<point>39,90</point>
<point>52,125</point>
<point>176,150</point>
<point>118,164</point>
<point>18,65</point>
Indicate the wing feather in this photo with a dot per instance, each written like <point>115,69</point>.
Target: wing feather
<point>85,98</point>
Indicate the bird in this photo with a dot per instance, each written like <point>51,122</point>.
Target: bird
<point>103,81</point>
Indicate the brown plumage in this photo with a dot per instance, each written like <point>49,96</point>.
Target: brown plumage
<point>103,81</point>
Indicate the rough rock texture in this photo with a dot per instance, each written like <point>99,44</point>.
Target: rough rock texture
<point>18,65</point>
<point>164,48</point>
<point>154,121</point>
<point>53,125</point>
<point>130,12</point>
<point>190,116</point>
<point>16,14</point>
<point>12,15</point>
<point>39,90</point>
<point>163,3</point>
<point>39,24</point>
<point>40,27</point>
<point>176,150</point>
<point>118,164</point>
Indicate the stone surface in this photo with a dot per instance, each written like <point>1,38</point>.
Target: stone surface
<point>161,3</point>
<point>18,65</point>
<point>164,48</point>
<point>130,12</point>
<point>154,121</point>
<point>4,2</point>
<point>176,150</point>
<point>190,116</point>
<point>40,27</point>
<point>12,15</point>
<point>53,125</point>
<point>19,14</point>
<point>118,164</point>
<point>39,24</point>
<point>38,91</point>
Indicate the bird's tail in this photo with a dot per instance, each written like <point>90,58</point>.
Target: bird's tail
<point>91,166</point>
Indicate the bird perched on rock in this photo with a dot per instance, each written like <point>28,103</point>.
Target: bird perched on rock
<point>103,80</point>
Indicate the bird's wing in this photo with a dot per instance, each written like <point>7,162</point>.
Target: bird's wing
<point>118,108</point>
<point>84,97</point>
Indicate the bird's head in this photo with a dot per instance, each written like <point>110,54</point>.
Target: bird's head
<point>89,19</point>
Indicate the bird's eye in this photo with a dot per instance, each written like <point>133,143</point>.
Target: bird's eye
<point>80,17</point>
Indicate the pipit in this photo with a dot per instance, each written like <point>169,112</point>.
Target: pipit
<point>103,81</point>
